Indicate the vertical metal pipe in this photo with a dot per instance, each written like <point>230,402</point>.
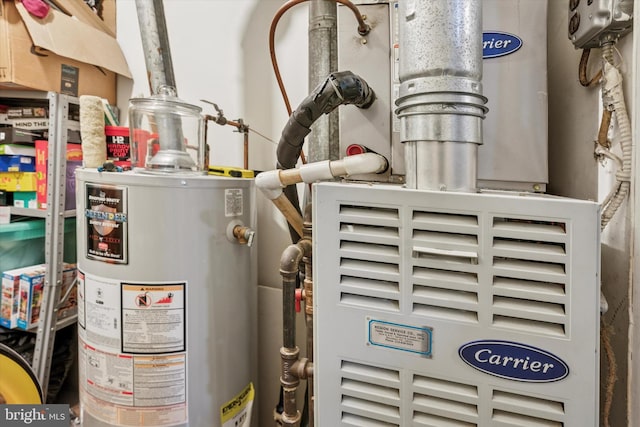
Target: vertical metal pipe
<point>157,56</point>
<point>323,60</point>
<point>441,106</point>
<point>155,42</point>
<point>290,262</point>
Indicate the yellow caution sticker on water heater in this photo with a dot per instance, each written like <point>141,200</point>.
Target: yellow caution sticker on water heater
<point>237,412</point>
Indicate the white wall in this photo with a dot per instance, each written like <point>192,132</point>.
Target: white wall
<point>574,119</point>
<point>220,53</point>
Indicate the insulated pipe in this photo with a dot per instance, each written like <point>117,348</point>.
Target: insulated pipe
<point>440,103</point>
<point>340,88</point>
<point>272,182</point>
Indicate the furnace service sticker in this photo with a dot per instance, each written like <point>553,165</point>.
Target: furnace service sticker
<point>395,336</point>
<point>106,216</point>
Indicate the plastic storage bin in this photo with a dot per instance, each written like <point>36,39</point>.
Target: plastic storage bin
<point>22,243</point>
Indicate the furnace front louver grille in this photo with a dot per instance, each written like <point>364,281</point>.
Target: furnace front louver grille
<point>530,278</point>
<point>370,395</point>
<point>445,255</point>
<point>369,257</point>
<point>438,402</point>
<point>517,410</point>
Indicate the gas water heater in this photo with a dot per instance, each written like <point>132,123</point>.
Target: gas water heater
<point>167,292</point>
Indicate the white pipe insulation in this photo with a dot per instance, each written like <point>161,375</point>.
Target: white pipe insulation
<point>272,182</point>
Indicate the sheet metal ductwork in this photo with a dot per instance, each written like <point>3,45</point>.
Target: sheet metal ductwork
<point>441,105</point>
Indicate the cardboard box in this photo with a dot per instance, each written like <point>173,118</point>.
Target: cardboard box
<point>25,199</point>
<point>27,112</point>
<point>18,150</point>
<point>11,163</point>
<point>31,292</point>
<point>9,303</point>
<point>6,198</point>
<point>70,305</point>
<point>58,53</point>
<point>39,129</point>
<point>14,135</point>
<point>18,181</point>
<point>74,161</point>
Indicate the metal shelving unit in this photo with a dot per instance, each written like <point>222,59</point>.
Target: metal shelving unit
<point>54,216</point>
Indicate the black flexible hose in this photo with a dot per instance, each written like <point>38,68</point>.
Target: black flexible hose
<point>340,88</point>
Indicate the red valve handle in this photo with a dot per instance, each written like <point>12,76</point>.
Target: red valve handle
<point>298,299</point>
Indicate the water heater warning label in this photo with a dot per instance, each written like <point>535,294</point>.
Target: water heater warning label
<point>400,337</point>
<point>233,205</point>
<point>153,318</point>
<point>132,355</point>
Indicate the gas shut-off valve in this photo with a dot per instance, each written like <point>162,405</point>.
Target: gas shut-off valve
<point>237,232</point>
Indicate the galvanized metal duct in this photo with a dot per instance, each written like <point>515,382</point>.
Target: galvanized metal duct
<point>440,104</point>
<point>323,142</point>
<point>155,43</point>
<point>172,156</point>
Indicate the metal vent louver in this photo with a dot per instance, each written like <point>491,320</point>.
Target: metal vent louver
<point>530,275</point>
<point>370,395</point>
<point>369,257</point>
<point>517,410</point>
<point>445,403</point>
<point>445,265</point>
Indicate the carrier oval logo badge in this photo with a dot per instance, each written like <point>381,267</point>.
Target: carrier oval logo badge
<point>513,361</point>
<point>499,44</point>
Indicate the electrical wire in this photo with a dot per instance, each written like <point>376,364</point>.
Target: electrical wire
<point>363,29</point>
<point>582,71</point>
<point>613,99</point>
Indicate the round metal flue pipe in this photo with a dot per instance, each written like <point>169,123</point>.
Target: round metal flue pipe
<point>440,104</point>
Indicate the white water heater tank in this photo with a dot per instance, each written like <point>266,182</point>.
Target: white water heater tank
<point>167,300</point>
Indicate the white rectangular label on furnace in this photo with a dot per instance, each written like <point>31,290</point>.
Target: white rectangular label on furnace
<point>395,336</point>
